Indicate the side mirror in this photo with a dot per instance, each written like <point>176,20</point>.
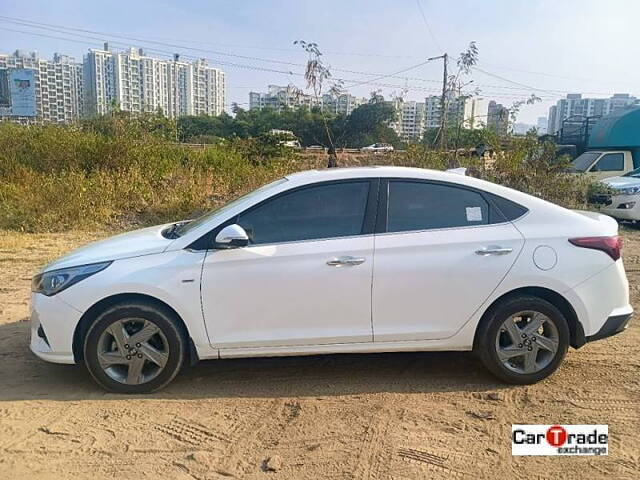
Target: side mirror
<point>231,236</point>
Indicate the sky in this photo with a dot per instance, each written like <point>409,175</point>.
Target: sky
<point>543,47</point>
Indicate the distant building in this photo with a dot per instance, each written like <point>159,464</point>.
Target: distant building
<point>522,128</point>
<point>574,105</point>
<point>541,125</point>
<point>57,94</point>
<point>341,104</point>
<point>551,121</point>
<point>135,82</point>
<point>278,97</point>
<point>498,118</point>
<point>469,112</point>
<point>410,121</point>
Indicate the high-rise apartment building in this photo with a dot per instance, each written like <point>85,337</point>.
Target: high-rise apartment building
<point>410,120</point>
<point>341,104</point>
<point>498,118</point>
<point>541,125</point>
<point>278,97</point>
<point>469,112</point>
<point>137,83</point>
<point>58,87</point>
<point>576,106</point>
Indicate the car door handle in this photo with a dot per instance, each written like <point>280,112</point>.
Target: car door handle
<point>494,251</point>
<point>345,261</point>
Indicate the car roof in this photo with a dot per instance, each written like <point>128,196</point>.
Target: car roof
<point>313,176</point>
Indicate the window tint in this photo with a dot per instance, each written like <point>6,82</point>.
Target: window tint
<point>324,211</point>
<point>508,210</point>
<point>424,206</point>
<point>611,162</point>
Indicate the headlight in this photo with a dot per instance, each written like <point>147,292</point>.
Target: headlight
<point>50,283</point>
<point>629,190</point>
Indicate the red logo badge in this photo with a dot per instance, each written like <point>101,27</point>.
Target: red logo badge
<point>556,436</point>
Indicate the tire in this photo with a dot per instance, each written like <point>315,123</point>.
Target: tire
<point>530,358</point>
<point>124,364</point>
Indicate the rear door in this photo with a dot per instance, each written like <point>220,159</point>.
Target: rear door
<point>444,249</point>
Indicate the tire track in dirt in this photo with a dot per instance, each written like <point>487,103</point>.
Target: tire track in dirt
<point>375,449</point>
<point>432,461</point>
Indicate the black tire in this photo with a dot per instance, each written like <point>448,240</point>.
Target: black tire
<point>485,345</point>
<point>160,317</point>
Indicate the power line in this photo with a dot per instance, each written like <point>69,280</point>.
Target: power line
<point>268,70</point>
<point>424,18</point>
<point>380,77</point>
<point>34,24</point>
<point>354,83</point>
<point>58,28</point>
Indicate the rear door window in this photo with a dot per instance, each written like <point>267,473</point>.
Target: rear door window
<point>426,206</point>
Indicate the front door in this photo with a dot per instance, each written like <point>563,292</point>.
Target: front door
<point>444,251</point>
<point>304,279</point>
<point>608,165</point>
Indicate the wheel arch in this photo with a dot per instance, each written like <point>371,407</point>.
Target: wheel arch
<point>92,312</point>
<point>576,331</point>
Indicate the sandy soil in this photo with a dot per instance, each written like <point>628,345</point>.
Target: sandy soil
<point>348,416</point>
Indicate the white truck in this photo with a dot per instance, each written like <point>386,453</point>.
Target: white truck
<point>601,164</point>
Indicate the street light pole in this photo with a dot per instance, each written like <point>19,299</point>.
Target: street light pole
<point>441,137</point>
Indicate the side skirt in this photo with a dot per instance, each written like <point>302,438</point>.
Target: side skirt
<point>368,347</point>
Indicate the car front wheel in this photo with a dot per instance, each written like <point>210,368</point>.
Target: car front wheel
<point>523,340</point>
<point>134,348</point>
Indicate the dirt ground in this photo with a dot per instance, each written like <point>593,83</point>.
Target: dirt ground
<point>419,415</point>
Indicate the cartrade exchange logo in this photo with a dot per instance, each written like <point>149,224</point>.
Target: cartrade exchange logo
<point>559,439</point>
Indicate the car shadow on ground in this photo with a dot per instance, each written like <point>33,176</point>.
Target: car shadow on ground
<point>25,377</point>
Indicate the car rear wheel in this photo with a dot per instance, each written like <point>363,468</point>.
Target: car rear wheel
<point>523,340</point>
<point>134,348</point>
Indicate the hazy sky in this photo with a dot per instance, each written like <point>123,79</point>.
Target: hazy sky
<point>550,47</point>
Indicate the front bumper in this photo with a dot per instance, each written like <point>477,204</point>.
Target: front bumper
<point>52,325</point>
<point>612,326</point>
<point>623,207</point>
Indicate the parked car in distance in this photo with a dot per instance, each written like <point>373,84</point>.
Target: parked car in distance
<point>623,200</point>
<point>378,148</point>
<point>315,148</point>
<point>603,164</point>
<point>286,138</point>
<point>371,259</point>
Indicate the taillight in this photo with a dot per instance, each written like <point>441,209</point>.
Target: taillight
<point>609,245</point>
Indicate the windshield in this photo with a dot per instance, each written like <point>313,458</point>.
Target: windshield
<point>633,173</point>
<point>187,227</point>
<point>584,161</point>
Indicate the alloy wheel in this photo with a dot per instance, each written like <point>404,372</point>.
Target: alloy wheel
<point>527,342</point>
<point>133,351</point>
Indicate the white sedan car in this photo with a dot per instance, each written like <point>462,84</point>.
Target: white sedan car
<point>624,200</point>
<point>378,148</point>
<point>374,259</point>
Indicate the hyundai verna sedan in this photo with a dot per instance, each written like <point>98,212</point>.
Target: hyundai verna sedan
<point>374,259</point>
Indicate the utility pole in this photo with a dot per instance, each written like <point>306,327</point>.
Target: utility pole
<point>441,137</point>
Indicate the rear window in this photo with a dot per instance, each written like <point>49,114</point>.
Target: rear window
<point>415,206</point>
<point>509,210</point>
<point>426,206</point>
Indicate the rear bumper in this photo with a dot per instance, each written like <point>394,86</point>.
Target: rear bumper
<point>612,326</point>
